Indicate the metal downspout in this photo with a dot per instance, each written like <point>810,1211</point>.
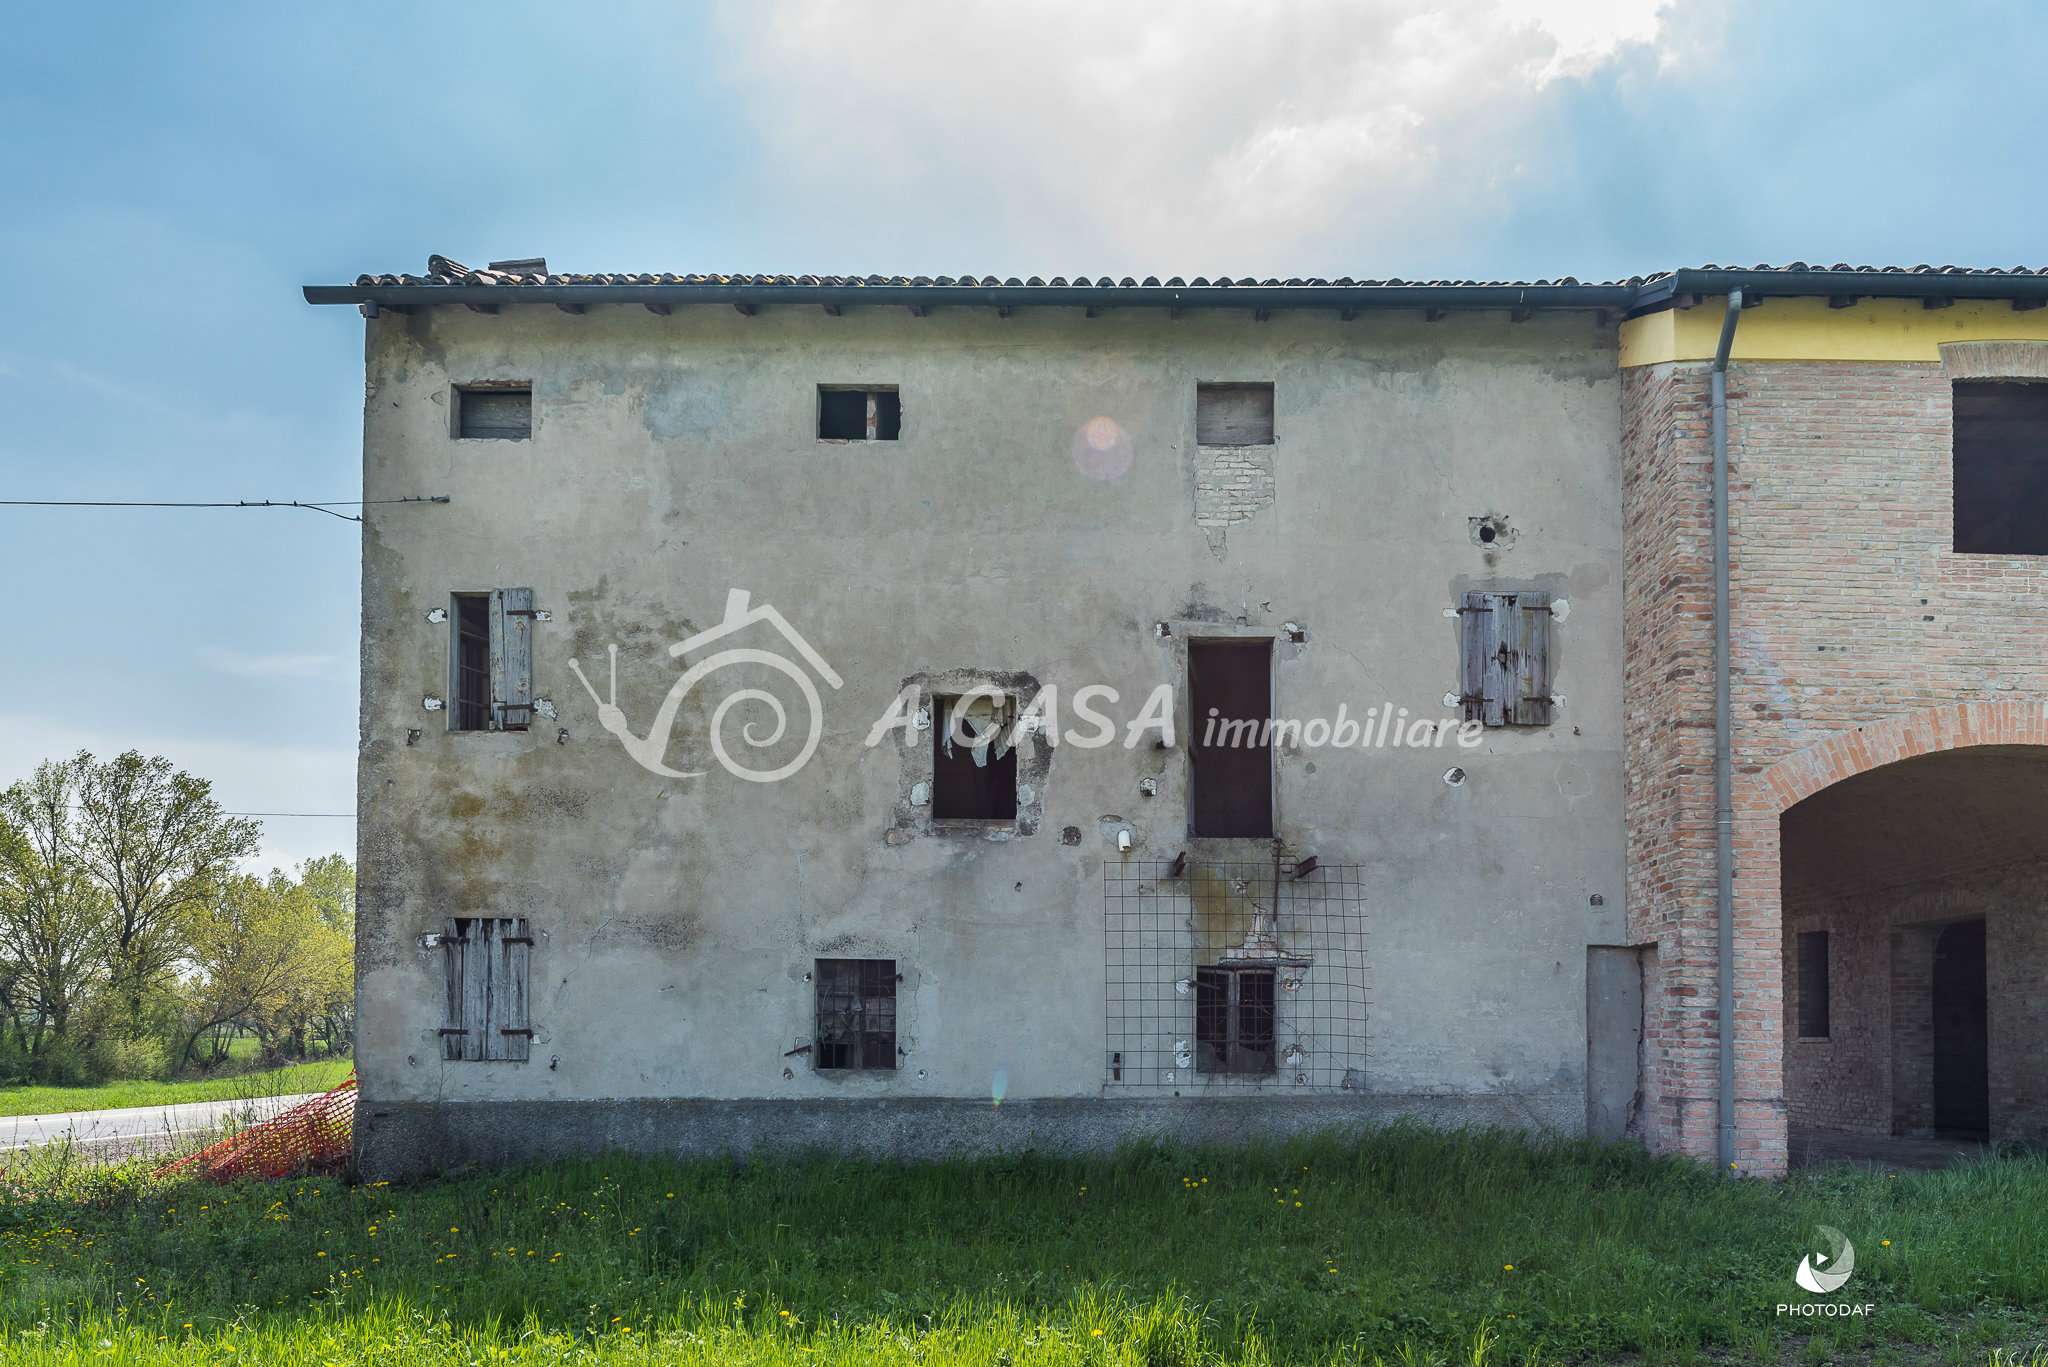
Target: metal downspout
<point>1724,772</point>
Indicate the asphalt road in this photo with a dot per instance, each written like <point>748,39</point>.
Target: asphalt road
<point>138,1126</point>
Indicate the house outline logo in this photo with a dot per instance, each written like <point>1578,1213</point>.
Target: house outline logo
<point>1826,1278</point>
<point>649,751</point>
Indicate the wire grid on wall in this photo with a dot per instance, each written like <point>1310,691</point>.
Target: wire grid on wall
<point>1166,919</point>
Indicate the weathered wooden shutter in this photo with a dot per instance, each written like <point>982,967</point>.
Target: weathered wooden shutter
<point>1505,648</point>
<point>1482,686</point>
<point>1527,617</point>
<point>487,961</point>
<point>511,659</point>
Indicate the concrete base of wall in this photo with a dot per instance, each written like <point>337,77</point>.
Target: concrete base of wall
<point>399,1140</point>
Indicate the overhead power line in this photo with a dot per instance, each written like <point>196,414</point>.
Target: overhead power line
<point>342,816</point>
<point>326,506</point>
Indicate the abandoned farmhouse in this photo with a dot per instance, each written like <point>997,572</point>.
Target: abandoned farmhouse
<point>935,715</point>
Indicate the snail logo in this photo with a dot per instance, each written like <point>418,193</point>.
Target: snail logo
<point>649,751</point>
<point>1829,1277</point>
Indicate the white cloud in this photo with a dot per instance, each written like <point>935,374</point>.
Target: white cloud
<point>247,776</point>
<point>247,666</point>
<point>1190,137</point>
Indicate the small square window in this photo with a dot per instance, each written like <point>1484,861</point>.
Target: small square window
<point>2001,468</point>
<point>1234,1020</point>
<point>856,1014</point>
<point>1234,414</point>
<point>974,767</point>
<point>494,412</point>
<point>854,413</point>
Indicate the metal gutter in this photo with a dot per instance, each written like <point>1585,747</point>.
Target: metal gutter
<point>1755,285</point>
<point>1724,771</point>
<point>1447,297</point>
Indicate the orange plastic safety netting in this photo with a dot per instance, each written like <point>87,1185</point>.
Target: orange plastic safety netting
<point>313,1136</point>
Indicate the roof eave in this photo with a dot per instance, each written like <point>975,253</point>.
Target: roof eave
<point>1840,285</point>
<point>1463,297</point>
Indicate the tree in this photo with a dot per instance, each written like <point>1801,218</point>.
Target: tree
<point>55,922</point>
<point>332,881</point>
<point>249,945</point>
<point>157,842</point>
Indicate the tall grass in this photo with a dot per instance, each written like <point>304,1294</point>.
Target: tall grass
<point>1406,1247</point>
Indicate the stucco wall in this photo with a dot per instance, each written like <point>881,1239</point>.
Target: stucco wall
<point>674,458</point>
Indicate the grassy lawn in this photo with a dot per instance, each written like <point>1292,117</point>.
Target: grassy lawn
<point>1407,1248</point>
<point>298,1077</point>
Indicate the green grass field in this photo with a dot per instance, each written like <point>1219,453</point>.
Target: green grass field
<point>298,1077</point>
<point>1407,1248</point>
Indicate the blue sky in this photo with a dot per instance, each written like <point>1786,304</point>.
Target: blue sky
<point>173,176</point>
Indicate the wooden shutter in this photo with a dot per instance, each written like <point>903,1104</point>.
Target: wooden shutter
<point>1529,651</point>
<point>511,659</point>
<point>1504,676</point>
<point>1481,687</point>
<point>487,961</point>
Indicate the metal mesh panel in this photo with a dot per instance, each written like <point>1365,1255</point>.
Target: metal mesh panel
<point>1167,920</point>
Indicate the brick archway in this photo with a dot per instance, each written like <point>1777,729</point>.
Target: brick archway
<point>1761,797</point>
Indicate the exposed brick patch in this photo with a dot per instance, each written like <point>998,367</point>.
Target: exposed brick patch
<point>1232,483</point>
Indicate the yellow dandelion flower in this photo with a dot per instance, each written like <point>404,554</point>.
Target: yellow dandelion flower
<point>1887,1243</point>
<point>1507,1267</point>
<point>1095,1333</point>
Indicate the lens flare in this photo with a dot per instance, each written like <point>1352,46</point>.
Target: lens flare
<point>999,1085</point>
<point>1102,449</point>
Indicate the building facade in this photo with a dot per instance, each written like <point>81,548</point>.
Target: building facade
<point>938,716</point>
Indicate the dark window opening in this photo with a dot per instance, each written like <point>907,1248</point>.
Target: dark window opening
<point>2001,468</point>
<point>1234,414</point>
<point>499,411</point>
<point>973,782</point>
<point>1813,984</point>
<point>858,414</point>
<point>1230,691</point>
<point>472,707</point>
<point>856,1014</point>
<point>1234,1020</point>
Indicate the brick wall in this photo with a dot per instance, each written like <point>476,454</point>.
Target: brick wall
<point>1874,1074</point>
<point>1849,611</point>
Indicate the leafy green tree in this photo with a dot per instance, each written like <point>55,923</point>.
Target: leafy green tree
<point>55,922</point>
<point>155,839</point>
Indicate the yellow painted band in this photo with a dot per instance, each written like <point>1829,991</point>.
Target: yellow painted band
<point>1808,330</point>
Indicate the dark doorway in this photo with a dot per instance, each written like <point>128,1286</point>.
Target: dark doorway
<point>1962,1082</point>
<point>1230,697</point>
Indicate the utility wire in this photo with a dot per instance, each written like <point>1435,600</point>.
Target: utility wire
<point>341,816</point>
<point>326,506</point>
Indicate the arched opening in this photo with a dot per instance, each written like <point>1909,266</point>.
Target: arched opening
<point>1915,935</point>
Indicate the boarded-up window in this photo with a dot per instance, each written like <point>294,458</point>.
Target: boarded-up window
<point>2001,468</point>
<point>486,960</point>
<point>974,768</point>
<point>1505,641</point>
<point>856,1014</point>
<point>1234,414</point>
<point>1813,984</point>
<point>1234,1020</point>
<point>1230,699</point>
<point>851,413</point>
<point>491,660</point>
<point>496,411</point>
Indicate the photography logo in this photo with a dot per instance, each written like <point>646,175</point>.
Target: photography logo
<point>1824,1275</point>
<point>649,751</point>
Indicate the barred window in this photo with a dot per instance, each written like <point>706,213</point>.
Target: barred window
<point>856,1014</point>
<point>1234,1020</point>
